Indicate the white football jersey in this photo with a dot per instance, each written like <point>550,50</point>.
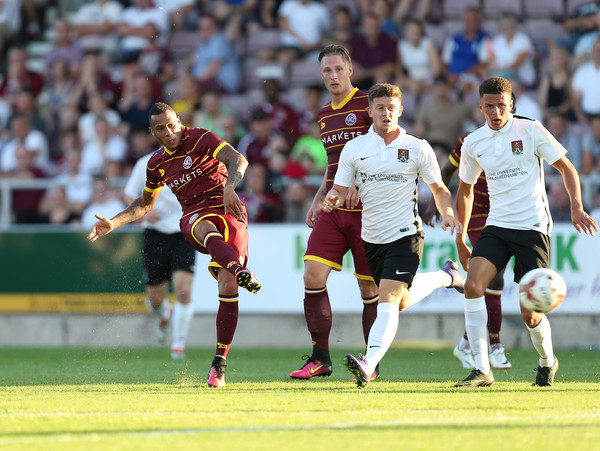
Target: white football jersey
<point>511,159</point>
<point>386,177</point>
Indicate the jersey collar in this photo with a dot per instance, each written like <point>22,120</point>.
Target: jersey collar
<point>504,129</point>
<point>345,101</point>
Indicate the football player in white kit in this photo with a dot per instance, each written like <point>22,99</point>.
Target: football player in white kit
<point>509,149</point>
<point>385,164</point>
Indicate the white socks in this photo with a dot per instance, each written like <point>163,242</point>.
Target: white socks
<point>382,334</point>
<point>163,311</point>
<point>541,337</point>
<point>476,326</point>
<point>426,283</point>
<point>182,318</point>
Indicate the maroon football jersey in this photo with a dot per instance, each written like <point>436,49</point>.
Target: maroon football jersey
<point>192,171</point>
<point>481,199</point>
<point>340,124</point>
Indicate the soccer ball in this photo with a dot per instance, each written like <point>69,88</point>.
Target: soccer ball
<point>542,290</point>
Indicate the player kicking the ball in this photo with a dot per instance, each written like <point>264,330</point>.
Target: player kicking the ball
<point>386,164</point>
<point>203,171</point>
<point>509,149</point>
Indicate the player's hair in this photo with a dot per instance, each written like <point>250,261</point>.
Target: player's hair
<point>335,49</point>
<point>158,108</point>
<point>384,90</point>
<point>495,85</point>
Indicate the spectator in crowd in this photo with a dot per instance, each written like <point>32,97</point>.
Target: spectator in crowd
<point>139,23</point>
<point>137,99</point>
<point>18,77</point>
<point>591,148</point>
<point>297,199</point>
<point>9,28</point>
<point>186,97</point>
<point>419,59</point>
<point>408,9</point>
<point>559,126</point>
<point>383,10</point>
<point>560,205</point>
<point>284,117</point>
<point>180,12</point>
<point>215,64</point>
<point>462,52</point>
<point>95,24</point>
<point>524,103</point>
<point>581,21</point>
<point>583,46</point>
<point>309,151</point>
<point>33,140</point>
<point>130,70</point>
<point>586,101</point>
<point>26,104</point>
<point>314,102</point>
<point>555,84</point>
<point>97,106</point>
<point>25,202</point>
<point>141,143</point>
<point>56,103</point>
<point>304,25</point>
<point>511,53</point>
<point>78,185</point>
<point>156,61</point>
<point>105,202</point>
<point>213,115</point>
<point>55,208</point>
<point>236,16</point>
<point>65,47</point>
<point>259,144</point>
<point>261,204</point>
<point>108,146</point>
<point>94,79</point>
<point>374,54</point>
<point>442,121</point>
<point>342,30</point>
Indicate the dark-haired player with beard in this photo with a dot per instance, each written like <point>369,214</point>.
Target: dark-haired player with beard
<point>203,171</point>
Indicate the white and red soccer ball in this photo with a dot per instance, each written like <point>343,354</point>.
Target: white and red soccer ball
<point>542,290</point>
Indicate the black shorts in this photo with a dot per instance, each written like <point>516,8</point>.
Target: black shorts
<point>530,248</point>
<point>164,253</point>
<point>398,260</point>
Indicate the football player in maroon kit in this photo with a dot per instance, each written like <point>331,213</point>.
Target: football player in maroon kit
<point>341,120</point>
<point>203,171</point>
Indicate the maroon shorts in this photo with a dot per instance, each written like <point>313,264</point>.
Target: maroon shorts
<point>234,232</point>
<point>332,236</point>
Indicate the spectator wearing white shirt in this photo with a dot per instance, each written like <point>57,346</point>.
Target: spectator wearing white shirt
<point>586,79</point>
<point>510,53</point>
<point>106,148</point>
<point>139,23</point>
<point>104,203</point>
<point>95,24</point>
<point>34,140</point>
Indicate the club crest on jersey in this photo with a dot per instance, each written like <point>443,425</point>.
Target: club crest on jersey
<point>350,119</point>
<point>403,155</point>
<point>517,147</point>
<point>187,163</point>
<point>193,218</point>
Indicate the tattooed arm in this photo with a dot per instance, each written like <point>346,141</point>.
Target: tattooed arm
<point>236,165</point>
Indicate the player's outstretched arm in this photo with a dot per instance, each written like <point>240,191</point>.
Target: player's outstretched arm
<point>138,208</point>
<point>580,219</point>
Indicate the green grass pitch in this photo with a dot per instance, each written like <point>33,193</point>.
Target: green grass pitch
<point>138,399</point>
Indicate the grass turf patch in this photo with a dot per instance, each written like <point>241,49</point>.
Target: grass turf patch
<point>124,398</point>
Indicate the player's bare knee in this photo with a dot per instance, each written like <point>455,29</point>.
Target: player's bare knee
<point>474,289</point>
<point>531,319</point>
